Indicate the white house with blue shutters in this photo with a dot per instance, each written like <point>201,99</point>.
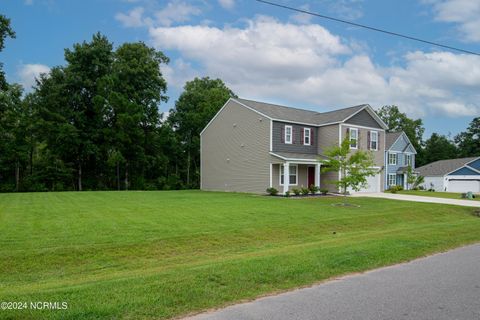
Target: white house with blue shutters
<point>453,175</point>
<point>399,155</point>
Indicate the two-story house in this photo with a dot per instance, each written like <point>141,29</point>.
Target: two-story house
<point>249,146</point>
<point>399,155</point>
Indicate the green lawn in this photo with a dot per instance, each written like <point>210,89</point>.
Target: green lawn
<point>448,195</point>
<point>156,255</point>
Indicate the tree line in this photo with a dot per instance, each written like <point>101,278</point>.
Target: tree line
<point>94,123</point>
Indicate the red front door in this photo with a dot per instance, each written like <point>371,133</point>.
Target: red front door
<point>311,176</point>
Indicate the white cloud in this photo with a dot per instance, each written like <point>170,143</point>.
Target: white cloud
<point>308,65</point>
<point>28,2</point>
<point>27,73</point>
<point>264,48</point>
<point>465,13</point>
<point>227,4</point>
<point>131,19</point>
<point>179,72</point>
<point>347,9</point>
<point>176,11</point>
<point>302,18</point>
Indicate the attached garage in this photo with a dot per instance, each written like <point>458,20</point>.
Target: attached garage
<point>373,184</point>
<point>454,175</point>
<point>459,185</point>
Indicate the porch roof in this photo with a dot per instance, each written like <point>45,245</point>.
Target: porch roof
<point>295,157</point>
<point>405,170</point>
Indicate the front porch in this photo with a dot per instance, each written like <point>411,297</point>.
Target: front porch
<point>399,178</point>
<point>294,171</point>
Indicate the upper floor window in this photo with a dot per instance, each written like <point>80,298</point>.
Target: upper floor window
<point>353,138</point>
<point>307,136</point>
<point>288,134</point>
<point>408,159</point>
<point>373,140</point>
<point>392,158</point>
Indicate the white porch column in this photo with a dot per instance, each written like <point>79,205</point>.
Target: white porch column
<point>405,181</point>
<point>317,174</point>
<point>286,176</point>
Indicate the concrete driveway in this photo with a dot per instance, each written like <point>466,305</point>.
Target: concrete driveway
<point>406,197</point>
<point>445,286</point>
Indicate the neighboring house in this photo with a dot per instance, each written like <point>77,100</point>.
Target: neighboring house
<point>454,175</point>
<point>249,146</point>
<point>399,155</point>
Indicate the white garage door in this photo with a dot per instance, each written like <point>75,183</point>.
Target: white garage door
<point>373,184</point>
<point>463,186</point>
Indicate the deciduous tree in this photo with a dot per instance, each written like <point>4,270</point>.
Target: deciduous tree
<point>439,147</point>
<point>5,32</point>
<point>354,167</point>
<point>469,141</point>
<point>196,106</point>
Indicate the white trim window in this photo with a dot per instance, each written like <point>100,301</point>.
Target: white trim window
<point>288,134</point>
<point>353,133</point>
<point>392,158</point>
<point>408,159</point>
<point>374,140</point>
<point>307,136</point>
<point>392,179</point>
<point>293,173</point>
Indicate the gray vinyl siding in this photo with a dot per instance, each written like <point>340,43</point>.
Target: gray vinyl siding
<point>297,146</point>
<point>327,137</point>
<point>363,118</point>
<point>379,155</point>
<point>235,151</point>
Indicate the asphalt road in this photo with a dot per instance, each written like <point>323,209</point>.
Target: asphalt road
<point>443,286</point>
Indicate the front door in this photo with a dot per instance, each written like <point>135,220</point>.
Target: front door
<point>311,176</point>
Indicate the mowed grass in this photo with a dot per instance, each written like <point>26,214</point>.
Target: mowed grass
<point>157,255</point>
<point>447,195</point>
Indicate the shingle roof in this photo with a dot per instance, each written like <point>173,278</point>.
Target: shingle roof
<point>390,138</point>
<point>300,115</point>
<point>442,167</point>
<point>293,155</point>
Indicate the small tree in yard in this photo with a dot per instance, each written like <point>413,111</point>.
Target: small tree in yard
<point>411,177</point>
<point>354,167</point>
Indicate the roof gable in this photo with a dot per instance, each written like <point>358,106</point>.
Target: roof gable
<point>464,171</point>
<point>363,118</point>
<point>398,141</point>
<point>391,138</point>
<point>409,148</point>
<point>475,164</point>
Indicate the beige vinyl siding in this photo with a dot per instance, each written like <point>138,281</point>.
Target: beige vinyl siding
<point>379,155</point>
<point>235,151</point>
<point>276,177</point>
<point>327,136</point>
<point>326,179</point>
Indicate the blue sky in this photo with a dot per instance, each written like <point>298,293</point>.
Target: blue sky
<point>275,55</point>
